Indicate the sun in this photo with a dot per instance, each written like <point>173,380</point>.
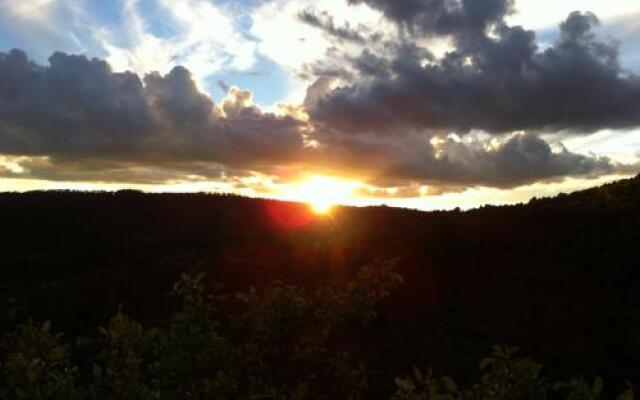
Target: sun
<point>320,207</point>
<point>322,193</point>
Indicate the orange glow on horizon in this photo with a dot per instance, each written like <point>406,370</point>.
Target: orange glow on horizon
<point>322,193</point>
<point>321,208</point>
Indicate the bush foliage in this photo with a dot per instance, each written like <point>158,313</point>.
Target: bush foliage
<point>284,342</point>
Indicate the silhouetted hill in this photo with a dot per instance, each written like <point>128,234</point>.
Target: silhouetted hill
<point>558,276</point>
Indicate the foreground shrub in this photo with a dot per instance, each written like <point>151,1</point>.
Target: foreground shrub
<point>284,342</point>
<point>37,365</point>
<point>505,377</point>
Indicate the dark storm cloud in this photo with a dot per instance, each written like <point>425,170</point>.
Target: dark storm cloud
<point>77,120</point>
<point>325,22</point>
<point>411,159</point>
<point>497,82</point>
<point>442,17</point>
<point>77,108</point>
<point>74,105</point>
<point>523,158</point>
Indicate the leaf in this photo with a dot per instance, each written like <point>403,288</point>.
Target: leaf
<point>486,362</point>
<point>449,384</point>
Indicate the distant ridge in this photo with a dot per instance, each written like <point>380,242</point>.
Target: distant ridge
<point>619,193</point>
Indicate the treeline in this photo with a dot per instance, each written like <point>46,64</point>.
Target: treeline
<point>282,342</point>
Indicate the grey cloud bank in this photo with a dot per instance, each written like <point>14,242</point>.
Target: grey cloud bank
<point>75,119</point>
<point>77,108</point>
<point>496,78</point>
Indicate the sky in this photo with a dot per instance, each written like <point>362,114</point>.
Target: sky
<point>428,104</point>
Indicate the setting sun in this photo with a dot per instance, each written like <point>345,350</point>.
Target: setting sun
<point>321,207</point>
<point>322,192</point>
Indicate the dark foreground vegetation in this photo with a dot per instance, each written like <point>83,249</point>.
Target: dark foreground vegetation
<point>558,277</point>
<point>281,343</point>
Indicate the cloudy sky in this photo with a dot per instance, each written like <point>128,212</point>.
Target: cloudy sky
<point>427,104</point>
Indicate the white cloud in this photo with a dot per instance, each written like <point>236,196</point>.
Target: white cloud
<point>39,11</point>
<point>45,25</point>
<point>619,145</point>
<point>292,43</point>
<point>205,40</point>
<point>284,38</point>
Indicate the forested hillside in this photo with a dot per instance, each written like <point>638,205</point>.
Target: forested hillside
<point>557,277</point>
